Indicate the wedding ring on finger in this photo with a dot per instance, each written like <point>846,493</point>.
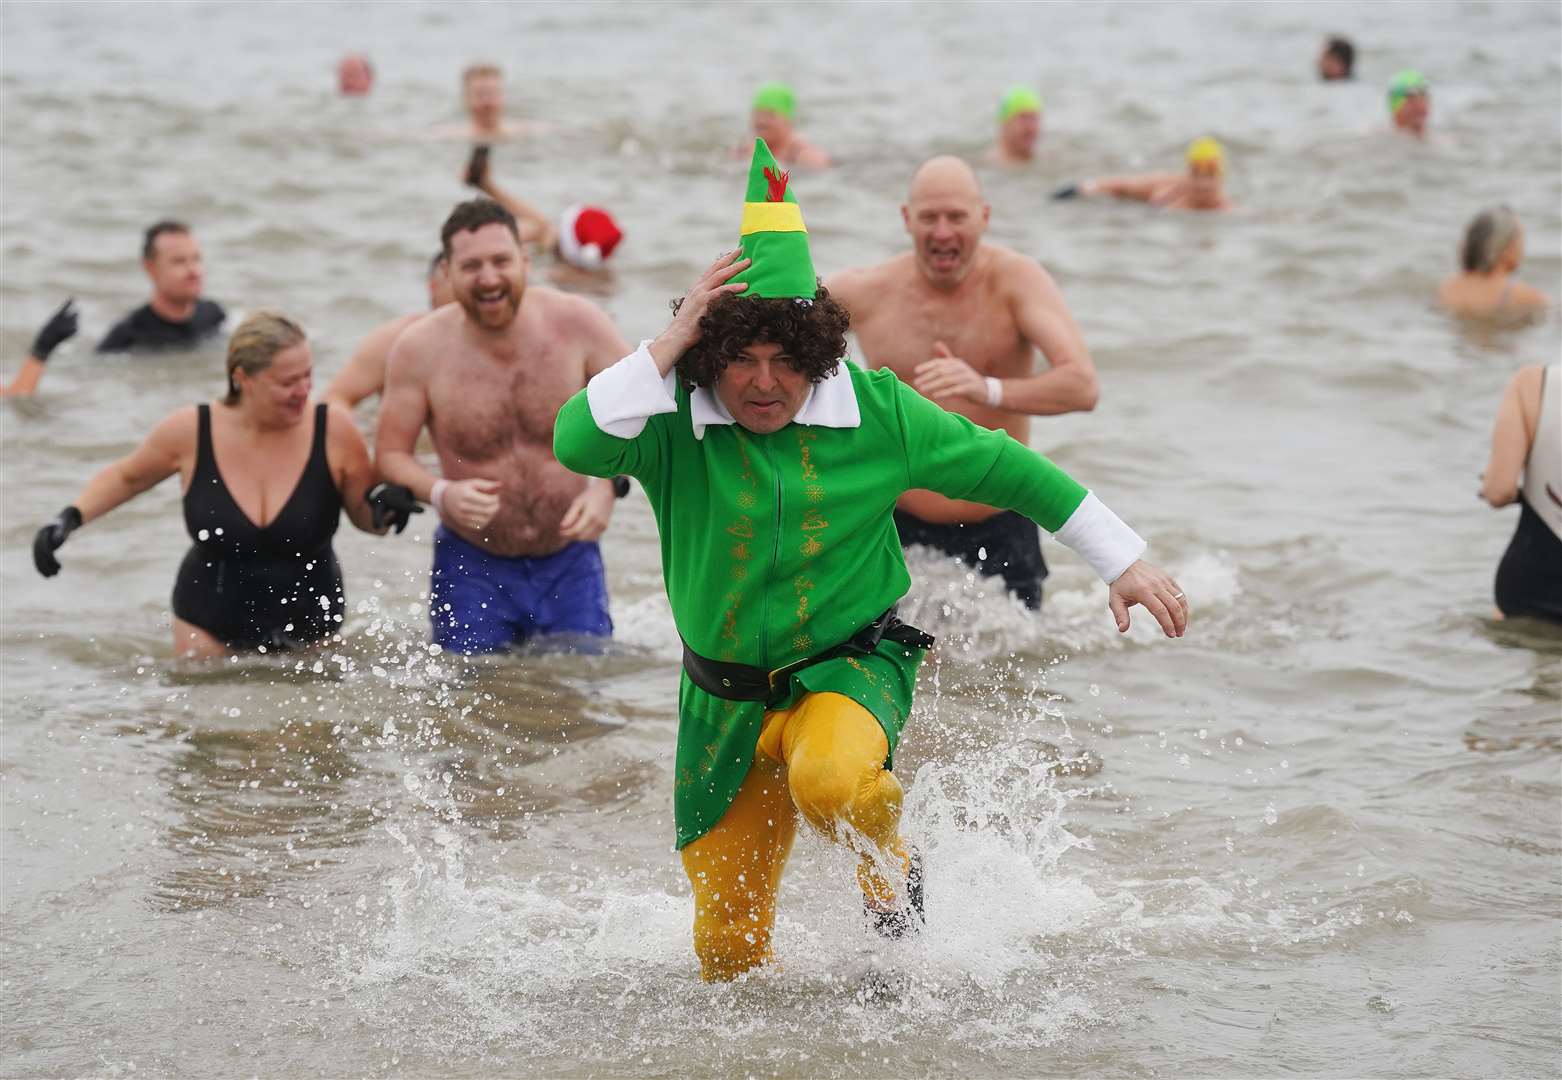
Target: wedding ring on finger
<point>1176,596</point>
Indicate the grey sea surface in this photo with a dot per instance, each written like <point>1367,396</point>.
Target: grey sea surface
<point>1321,835</point>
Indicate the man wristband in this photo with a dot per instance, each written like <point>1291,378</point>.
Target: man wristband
<point>436,494</point>
<point>994,391</point>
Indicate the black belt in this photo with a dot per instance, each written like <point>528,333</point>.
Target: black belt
<point>744,682</point>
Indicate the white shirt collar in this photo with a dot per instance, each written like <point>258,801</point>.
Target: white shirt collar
<point>831,402</point>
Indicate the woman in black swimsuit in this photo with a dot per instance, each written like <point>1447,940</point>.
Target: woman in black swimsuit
<point>265,479</point>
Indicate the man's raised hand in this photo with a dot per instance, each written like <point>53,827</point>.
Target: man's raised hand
<point>684,330</point>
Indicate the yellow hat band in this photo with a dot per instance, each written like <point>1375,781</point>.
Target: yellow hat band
<point>772,217</point>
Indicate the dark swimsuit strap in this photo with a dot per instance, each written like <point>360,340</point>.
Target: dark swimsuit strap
<point>205,456</point>
<point>322,411</point>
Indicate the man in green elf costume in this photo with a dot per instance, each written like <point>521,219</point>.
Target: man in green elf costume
<point>772,469</point>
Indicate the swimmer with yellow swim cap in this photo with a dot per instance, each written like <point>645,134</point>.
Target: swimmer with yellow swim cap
<point>1201,187</point>
<point>1019,127</point>
<point>1410,103</point>
<point>773,113</point>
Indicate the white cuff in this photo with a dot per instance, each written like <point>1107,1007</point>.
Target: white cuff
<point>1101,538</point>
<point>623,397</point>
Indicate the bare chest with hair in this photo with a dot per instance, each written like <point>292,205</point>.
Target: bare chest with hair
<point>903,323</point>
<point>487,405</point>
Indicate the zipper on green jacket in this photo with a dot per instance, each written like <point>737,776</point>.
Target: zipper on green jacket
<point>775,558</point>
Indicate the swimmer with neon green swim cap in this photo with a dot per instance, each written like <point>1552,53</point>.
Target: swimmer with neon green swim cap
<point>1019,127</point>
<point>1410,102</point>
<point>1201,187</point>
<point>774,110</point>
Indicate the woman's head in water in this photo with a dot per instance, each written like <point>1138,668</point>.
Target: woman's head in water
<point>761,354</point>
<point>1492,241</point>
<point>269,368</point>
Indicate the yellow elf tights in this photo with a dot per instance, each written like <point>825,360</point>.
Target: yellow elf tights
<point>822,758</point>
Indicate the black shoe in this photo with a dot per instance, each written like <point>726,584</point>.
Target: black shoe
<point>903,921</point>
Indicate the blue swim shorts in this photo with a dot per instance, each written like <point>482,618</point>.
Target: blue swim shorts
<point>482,603</point>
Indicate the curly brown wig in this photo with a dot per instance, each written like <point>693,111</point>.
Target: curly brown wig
<point>812,334</point>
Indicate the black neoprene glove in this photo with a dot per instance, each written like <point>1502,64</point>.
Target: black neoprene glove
<point>61,327</point>
<point>50,537</point>
<point>1067,191</point>
<point>391,504</point>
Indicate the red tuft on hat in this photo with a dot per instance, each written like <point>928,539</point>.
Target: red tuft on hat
<point>587,236</point>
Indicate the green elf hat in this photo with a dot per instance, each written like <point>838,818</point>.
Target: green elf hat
<point>773,234</point>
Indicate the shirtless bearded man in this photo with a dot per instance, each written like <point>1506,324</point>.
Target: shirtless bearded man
<point>517,553</point>
<point>961,320</point>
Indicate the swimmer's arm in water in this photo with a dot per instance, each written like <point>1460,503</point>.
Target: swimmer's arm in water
<point>351,469</point>
<point>363,375</point>
<point>472,502</point>
<point>533,224</point>
<point>169,447</point>
<point>27,379</point>
<point>1517,418</point>
<point>1134,188</point>
<point>60,327</point>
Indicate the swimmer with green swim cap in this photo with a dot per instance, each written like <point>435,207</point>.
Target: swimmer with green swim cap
<point>1019,127</point>
<point>1410,102</point>
<point>774,109</point>
<point>1201,187</point>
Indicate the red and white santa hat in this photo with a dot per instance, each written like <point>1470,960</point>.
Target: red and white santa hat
<point>587,236</point>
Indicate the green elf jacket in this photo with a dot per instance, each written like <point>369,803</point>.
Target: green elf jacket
<point>777,547</point>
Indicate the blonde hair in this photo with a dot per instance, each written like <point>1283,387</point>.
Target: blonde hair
<point>255,343</point>
<point>478,71</point>
<point>1486,238</point>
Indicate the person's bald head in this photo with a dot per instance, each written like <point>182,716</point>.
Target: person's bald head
<point>946,216</point>
<point>945,175</point>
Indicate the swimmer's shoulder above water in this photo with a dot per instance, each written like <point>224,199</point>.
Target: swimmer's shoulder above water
<point>1485,287</point>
